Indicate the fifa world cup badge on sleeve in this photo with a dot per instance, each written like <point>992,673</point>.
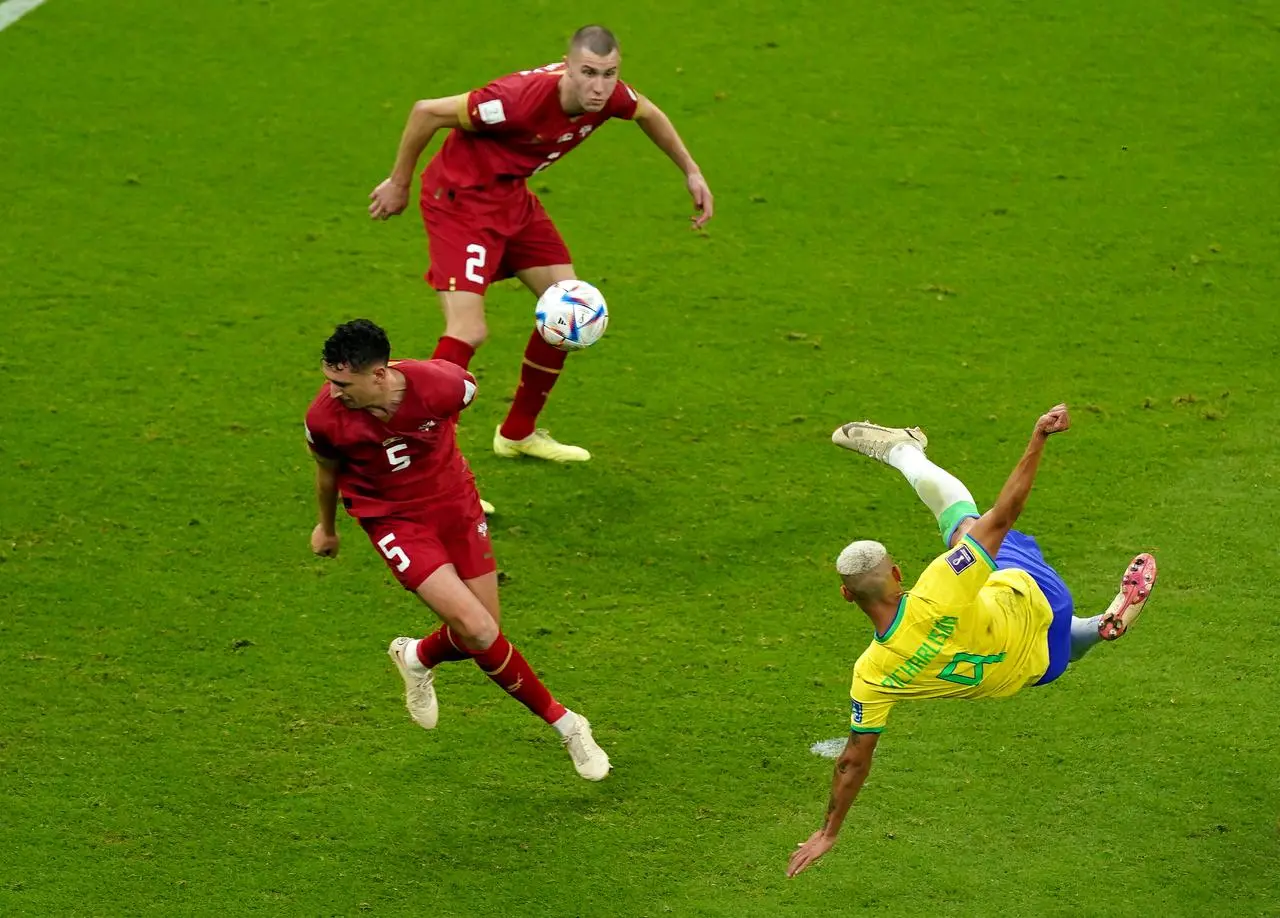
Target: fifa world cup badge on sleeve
<point>961,559</point>
<point>857,710</point>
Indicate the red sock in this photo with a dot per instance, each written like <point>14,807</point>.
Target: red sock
<point>439,647</point>
<point>506,666</point>
<point>454,350</point>
<point>541,369</point>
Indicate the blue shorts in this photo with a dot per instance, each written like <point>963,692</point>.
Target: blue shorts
<point>1020,551</point>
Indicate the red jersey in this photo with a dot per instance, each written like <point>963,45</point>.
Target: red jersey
<point>515,127</point>
<point>410,461</point>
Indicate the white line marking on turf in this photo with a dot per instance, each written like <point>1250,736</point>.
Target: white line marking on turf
<point>13,10</point>
<point>829,748</point>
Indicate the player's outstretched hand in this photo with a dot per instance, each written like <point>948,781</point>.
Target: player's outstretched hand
<point>323,544</point>
<point>389,199</point>
<point>1055,420</point>
<point>703,202</point>
<point>809,851</point>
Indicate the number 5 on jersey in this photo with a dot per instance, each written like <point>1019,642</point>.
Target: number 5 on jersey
<point>394,552</point>
<point>397,458</point>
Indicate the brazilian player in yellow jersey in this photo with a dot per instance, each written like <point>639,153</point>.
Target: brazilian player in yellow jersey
<point>986,619</point>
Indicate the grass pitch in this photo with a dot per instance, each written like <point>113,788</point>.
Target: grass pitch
<point>935,214</point>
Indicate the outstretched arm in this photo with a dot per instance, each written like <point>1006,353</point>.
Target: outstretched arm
<point>991,528</point>
<point>426,117</point>
<point>852,769</point>
<point>658,128</point>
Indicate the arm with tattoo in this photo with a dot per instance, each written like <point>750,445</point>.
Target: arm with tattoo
<point>851,771</point>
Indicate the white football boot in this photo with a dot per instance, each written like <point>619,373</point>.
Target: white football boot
<point>876,441</point>
<point>590,761</point>
<point>419,693</point>
<point>539,445</point>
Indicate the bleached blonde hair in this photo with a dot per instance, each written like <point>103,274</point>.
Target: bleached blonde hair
<point>864,569</point>
<point>861,557</point>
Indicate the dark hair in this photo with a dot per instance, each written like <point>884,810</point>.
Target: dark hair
<point>596,39</point>
<point>358,344</point>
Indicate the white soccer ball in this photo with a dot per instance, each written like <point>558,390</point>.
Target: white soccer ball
<point>571,315</point>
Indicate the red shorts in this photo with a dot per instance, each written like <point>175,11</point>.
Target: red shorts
<point>416,545</point>
<point>479,236</point>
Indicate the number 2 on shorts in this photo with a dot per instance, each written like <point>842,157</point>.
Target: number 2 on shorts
<point>392,551</point>
<point>475,263</point>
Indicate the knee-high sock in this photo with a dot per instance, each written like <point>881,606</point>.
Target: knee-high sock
<point>440,646</point>
<point>454,350</point>
<point>541,369</point>
<point>1084,634</point>
<point>506,666</point>
<point>943,493</point>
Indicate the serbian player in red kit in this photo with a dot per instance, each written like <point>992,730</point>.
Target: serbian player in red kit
<point>484,224</point>
<point>383,436</point>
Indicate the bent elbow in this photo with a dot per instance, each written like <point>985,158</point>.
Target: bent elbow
<point>429,111</point>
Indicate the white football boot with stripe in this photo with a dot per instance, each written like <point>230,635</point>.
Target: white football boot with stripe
<point>875,441</point>
<point>419,692</point>
<point>589,760</point>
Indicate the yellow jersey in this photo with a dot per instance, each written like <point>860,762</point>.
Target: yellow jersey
<point>965,630</point>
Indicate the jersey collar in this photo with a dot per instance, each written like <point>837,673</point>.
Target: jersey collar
<point>897,619</point>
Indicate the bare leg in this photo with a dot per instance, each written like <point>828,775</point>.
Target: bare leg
<point>540,278</point>
<point>463,316</point>
<point>461,606</point>
<point>485,588</point>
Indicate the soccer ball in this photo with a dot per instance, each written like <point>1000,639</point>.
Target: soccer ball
<point>571,315</point>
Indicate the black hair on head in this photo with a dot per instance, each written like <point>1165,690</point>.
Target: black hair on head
<point>358,345</point>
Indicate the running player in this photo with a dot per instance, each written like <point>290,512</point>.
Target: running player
<point>383,436</point>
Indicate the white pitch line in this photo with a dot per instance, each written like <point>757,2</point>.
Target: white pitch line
<point>13,10</point>
<point>829,749</point>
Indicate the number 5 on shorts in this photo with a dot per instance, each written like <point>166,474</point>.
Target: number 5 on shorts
<point>393,552</point>
<point>475,263</point>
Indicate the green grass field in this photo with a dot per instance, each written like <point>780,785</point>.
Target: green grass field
<point>944,214</point>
